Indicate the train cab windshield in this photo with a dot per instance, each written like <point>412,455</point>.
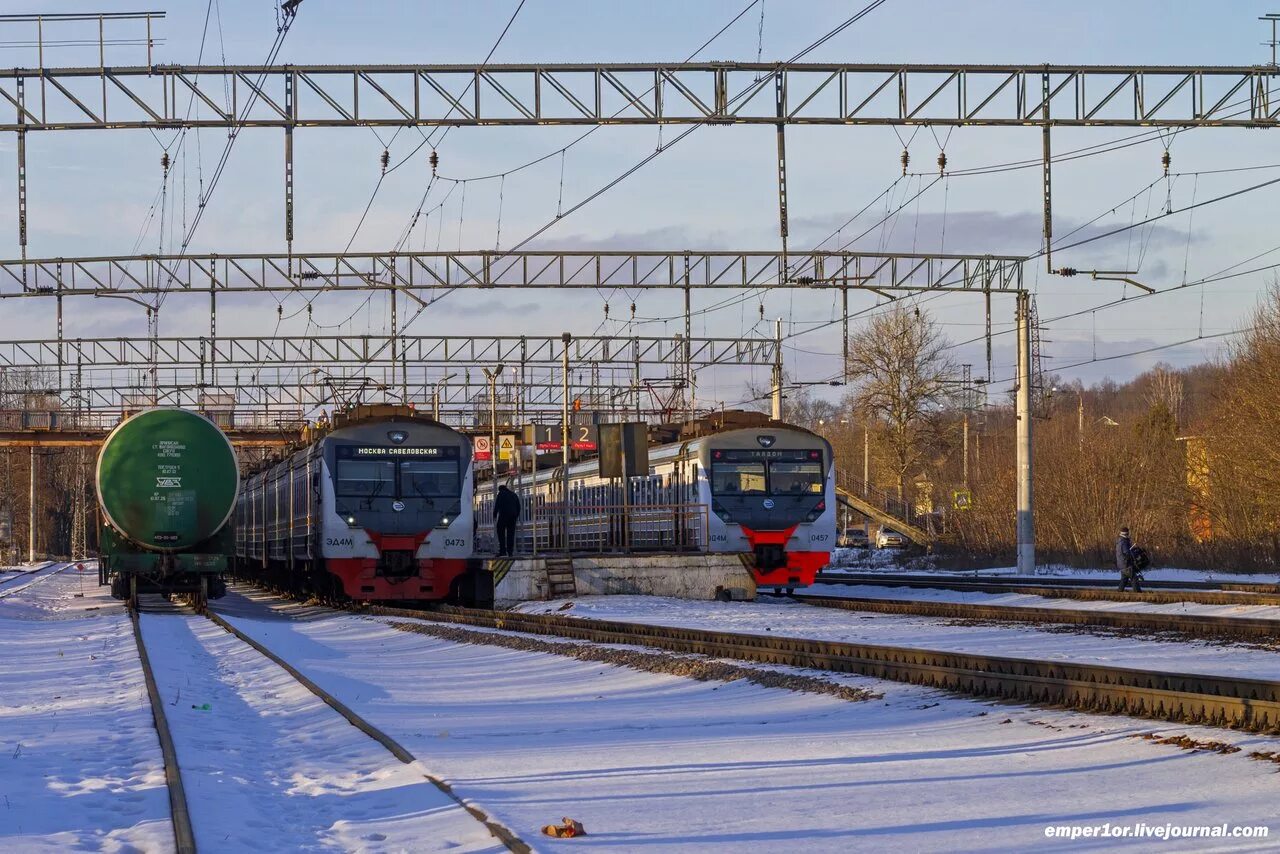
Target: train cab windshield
<point>396,472</point>
<point>773,472</point>
<point>366,478</point>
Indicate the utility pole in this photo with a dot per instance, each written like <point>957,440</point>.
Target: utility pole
<point>564,440</point>
<point>866,459</point>
<point>435,396</point>
<point>1080,420</point>
<point>492,377</point>
<point>1026,503</point>
<point>31,510</point>
<point>776,408</point>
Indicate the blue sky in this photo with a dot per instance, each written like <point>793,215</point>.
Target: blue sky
<point>91,191</point>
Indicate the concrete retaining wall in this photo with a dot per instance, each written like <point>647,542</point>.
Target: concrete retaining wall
<point>680,576</point>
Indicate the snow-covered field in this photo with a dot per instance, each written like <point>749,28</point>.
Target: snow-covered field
<point>267,766</point>
<point>867,591</point>
<point>80,767</point>
<point>783,616</point>
<point>911,563</point>
<point>655,762</point>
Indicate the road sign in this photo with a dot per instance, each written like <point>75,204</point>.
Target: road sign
<point>507,447</point>
<point>481,448</point>
<point>961,499</point>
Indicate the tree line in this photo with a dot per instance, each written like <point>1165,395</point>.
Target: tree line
<point>1188,458</point>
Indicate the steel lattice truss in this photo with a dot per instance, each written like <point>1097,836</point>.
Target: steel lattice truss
<point>637,94</point>
<point>337,351</point>
<point>412,271</point>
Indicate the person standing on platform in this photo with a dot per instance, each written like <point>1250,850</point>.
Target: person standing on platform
<point>506,512</point>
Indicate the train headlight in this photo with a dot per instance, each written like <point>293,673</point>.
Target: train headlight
<point>351,521</point>
<point>445,522</point>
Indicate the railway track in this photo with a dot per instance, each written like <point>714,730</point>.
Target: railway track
<point>1205,626</point>
<point>14,584</point>
<point>1057,581</point>
<point>1251,704</point>
<point>1237,594</point>
<point>184,834</point>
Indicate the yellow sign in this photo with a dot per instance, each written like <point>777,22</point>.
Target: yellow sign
<point>961,499</point>
<point>507,448</point>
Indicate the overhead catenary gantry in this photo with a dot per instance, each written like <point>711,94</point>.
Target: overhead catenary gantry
<point>764,93</point>
<point>263,378</point>
<point>142,275</point>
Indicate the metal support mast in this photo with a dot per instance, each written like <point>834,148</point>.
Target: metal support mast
<point>780,93</point>
<point>292,111</point>
<point>1026,503</point>
<point>1047,176</point>
<point>775,410</point>
<point>22,176</point>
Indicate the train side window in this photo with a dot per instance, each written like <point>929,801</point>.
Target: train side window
<point>366,478</point>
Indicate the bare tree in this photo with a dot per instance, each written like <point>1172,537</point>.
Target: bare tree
<point>1166,388</point>
<point>902,379</point>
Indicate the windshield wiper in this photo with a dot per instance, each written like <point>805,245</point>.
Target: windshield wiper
<point>368,502</point>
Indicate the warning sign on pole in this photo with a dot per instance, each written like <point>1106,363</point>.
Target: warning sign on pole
<point>482,448</point>
<point>507,447</point>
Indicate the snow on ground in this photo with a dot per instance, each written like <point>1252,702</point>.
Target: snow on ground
<point>652,762</point>
<point>1262,612</point>
<point>901,562</point>
<point>788,617</point>
<point>33,574</point>
<point>80,766</point>
<point>267,766</point>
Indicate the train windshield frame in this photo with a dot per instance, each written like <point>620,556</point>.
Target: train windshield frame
<point>773,472</point>
<point>396,472</point>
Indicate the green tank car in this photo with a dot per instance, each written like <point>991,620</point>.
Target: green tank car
<point>167,481</point>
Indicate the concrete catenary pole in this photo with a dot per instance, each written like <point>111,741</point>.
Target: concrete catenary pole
<point>1026,503</point>
<point>31,510</point>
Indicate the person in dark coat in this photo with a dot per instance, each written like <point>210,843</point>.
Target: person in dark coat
<point>1124,562</point>
<point>506,510</point>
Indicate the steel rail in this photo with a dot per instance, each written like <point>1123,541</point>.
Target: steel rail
<point>1210,626</point>
<point>32,577</point>
<point>183,834</point>
<point>1049,581</point>
<point>1165,595</point>
<point>1251,704</point>
<point>501,832</point>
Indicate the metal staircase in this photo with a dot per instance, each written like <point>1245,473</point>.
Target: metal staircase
<point>560,580</point>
